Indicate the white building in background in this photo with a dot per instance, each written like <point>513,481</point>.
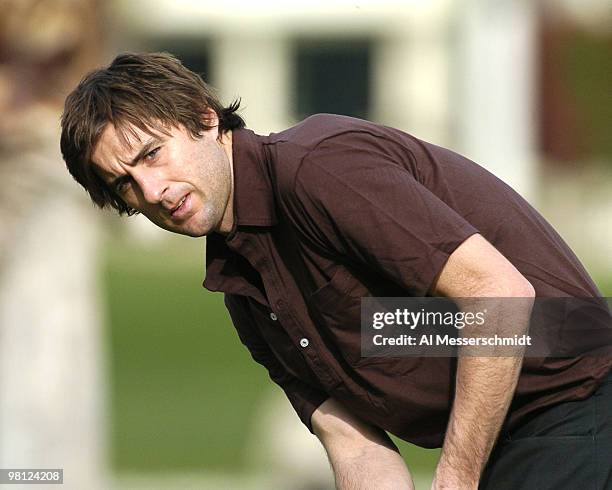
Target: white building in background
<point>455,74</point>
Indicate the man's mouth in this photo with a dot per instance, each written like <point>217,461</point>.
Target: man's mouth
<point>182,207</point>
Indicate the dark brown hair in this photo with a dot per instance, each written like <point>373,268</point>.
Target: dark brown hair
<point>149,91</point>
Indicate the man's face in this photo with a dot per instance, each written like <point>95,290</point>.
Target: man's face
<point>181,184</point>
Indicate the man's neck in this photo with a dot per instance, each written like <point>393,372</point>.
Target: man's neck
<point>227,222</point>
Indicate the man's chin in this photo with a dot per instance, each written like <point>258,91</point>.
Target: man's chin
<point>190,227</point>
<point>187,230</point>
<point>192,233</point>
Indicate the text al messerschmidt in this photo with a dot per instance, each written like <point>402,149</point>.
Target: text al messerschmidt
<point>449,340</point>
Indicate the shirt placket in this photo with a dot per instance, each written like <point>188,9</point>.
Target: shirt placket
<point>281,312</point>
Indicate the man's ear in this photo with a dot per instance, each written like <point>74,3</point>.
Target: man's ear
<point>210,117</point>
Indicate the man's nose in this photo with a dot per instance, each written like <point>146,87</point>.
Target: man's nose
<point>152,186</point>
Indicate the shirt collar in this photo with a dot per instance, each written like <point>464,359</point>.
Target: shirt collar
<point>254,205</point>
<point>253,195</point>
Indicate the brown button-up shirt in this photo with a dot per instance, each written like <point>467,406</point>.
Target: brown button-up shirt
<point>335,209</point>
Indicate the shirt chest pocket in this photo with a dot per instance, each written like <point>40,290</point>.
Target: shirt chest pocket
<point>336,309</point>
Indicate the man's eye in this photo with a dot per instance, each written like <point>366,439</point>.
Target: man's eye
<point>152,153</point>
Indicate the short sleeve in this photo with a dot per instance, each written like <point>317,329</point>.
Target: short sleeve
<point>370,209</point>
<point>304,398</point>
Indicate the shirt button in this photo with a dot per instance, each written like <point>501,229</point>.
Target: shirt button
<point>304,342</point>
<point>273,316</point>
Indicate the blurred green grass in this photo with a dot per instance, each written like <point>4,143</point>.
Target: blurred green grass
<point>181,382</point>
<point>183,388</point>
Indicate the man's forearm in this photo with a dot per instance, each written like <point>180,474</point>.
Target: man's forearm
<point>485,387</point>
<point>369,467</point>
<point>483,392</point>
<point>362,456</point>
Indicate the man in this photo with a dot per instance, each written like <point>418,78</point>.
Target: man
<point>301,224</point>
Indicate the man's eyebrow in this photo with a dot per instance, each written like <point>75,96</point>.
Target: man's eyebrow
<point>146,148</point>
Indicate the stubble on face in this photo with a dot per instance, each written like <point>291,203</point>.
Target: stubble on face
<point>226,223</point>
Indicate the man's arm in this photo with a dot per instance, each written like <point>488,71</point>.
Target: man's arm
<point>484,385</point>
<point>362,457</point>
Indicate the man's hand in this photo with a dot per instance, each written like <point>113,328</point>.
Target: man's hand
<point>484,385</point>
<point>362,457</point>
